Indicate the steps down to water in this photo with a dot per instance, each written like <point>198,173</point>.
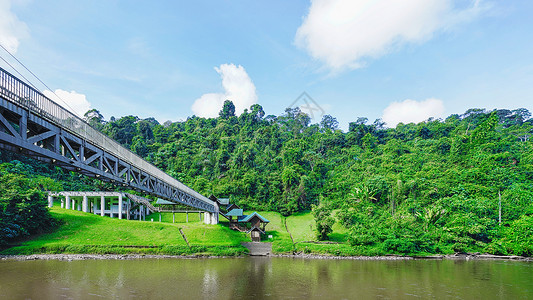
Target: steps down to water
<point>258,248</point>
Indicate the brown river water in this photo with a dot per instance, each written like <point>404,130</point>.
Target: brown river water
<point>265,278</point>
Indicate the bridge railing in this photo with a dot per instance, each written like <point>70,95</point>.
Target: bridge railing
<point>20,93</point>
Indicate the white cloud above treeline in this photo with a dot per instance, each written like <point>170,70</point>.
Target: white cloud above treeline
<point>238,87</point>
<point>76,103</point>
<point>344,33</point>
<point>12,30</point>
<point>411,111</point>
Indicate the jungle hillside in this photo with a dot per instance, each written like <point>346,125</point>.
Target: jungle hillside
<point>462,184</point>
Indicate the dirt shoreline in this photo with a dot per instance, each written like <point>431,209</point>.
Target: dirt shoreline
<point>72,257</point>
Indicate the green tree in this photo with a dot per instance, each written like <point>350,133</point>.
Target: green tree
<point>323,220</point>
<point>228,110</point>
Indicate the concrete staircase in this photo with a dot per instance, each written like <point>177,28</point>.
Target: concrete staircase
<point>258,248</point>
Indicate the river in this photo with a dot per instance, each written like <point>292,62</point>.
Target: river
<point>265,278</point>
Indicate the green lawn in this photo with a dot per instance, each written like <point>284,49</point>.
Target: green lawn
<point>302,227</point>
<point>88,233</point>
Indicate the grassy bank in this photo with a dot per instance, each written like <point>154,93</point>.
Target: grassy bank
<point>83,233</point>
<point>86,233</point>
<point>296,234</point>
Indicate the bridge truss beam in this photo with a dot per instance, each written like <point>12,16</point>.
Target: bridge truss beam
<point>25,129</point>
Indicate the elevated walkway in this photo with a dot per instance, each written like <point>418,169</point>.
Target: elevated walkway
<point>34,125</point>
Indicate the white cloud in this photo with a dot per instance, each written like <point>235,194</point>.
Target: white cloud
<point>238,87</point>
<point>12,30</point>
<point>409,111</point>
<point>343,33</point>
<point>72,101</point>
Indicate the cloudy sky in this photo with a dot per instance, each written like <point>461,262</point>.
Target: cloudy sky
<point>399,60</point>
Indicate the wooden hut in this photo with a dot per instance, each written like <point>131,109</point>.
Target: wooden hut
<point>253,224</point>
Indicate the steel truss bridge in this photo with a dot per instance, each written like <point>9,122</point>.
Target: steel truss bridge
<point>34,125</point>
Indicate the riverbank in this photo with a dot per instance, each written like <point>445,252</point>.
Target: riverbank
<point>86,236</point>
<point>83,233</point>
<point>457,256</point>
<point>73,257</point>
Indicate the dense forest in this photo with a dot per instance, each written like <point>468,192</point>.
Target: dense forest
<point>460,184</point>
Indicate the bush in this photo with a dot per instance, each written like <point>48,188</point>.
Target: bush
<point>22,208</point>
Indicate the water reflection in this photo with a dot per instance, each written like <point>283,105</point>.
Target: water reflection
<point>265,278</point>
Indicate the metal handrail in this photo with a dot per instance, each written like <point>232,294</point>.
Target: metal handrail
<point>20,93</point>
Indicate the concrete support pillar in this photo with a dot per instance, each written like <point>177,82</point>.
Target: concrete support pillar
<point>140,214</point>
<point>78,208</point>
<point>102,205</point>
<point>173,217</point>
<point>200,216</point>
<point>111,208</point>
<point>95,205</point>
<point>62,203</point>
<point>128,210</point>
<point>187,217</point>
<point>214,220</point>
<point>210,218</point>
<point>50,201</point>
<point>159,217</point>
<point>67,202</point>
<point>85,204</point>
<point>120,206</point>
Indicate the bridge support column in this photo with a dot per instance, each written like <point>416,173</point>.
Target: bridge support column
<point>95,205</point>
<point>79,205</point>
<point>120,206</point>
<point>102,205</point>
<point>50,201</point>
<point>67,202</point>
<point>210,218</point>
<point>85,204</point>
<point>62,203</point>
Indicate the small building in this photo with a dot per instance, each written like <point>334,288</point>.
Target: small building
<point>234,213</point>
<point>255,234</point>
<point>255,220</point>
<point>253,224</point>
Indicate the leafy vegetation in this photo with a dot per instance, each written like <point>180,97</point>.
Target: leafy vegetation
<point>22,205</point>
<point>423,188</point>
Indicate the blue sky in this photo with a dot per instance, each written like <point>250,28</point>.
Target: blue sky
<point>397,60</point>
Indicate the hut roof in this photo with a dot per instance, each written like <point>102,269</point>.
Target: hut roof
<point>235,213</point>
<point>223,201</point>
<point>232,206</point>
<point>249,217</point>
<point>165,202</point>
